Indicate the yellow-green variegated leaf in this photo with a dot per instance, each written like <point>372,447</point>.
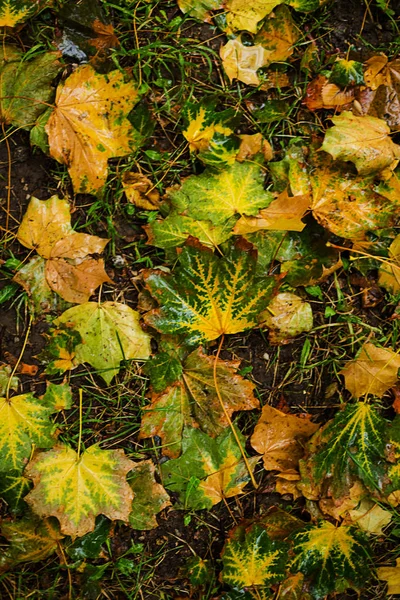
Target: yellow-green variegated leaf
<point>242,15</point>
<point>193,401</point>
<point>30,539</point>
<point>217,197</point>
<point>5,373</point>
<point>13,487</point>
<point>110,332</point>
<point>76,489</point>
<point>149,496</point>
<point>389,272</point>
<point>347,72</point>
<point>208,471</point>
<point>175,230</point>
<point>24,423</point>
<point>199,9</point>
<point>13,12</point>
<point>208,296</point>
<point>353,442</point>
<point>251,559</point>
<point>334,558</point>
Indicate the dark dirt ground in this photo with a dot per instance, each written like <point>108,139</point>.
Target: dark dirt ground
<point>349,22</point>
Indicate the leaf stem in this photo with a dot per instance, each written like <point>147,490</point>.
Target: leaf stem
<point>80,423</point>
<point>28,331</point>
<point>246,462</point>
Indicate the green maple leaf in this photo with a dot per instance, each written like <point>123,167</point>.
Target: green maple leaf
<point>149,496</point>
<point>347,72</point>
<point>13,12</point>
<point>252,560</point>
<point>208,470</point>
<point>193,401</point>
<point>13,488</point>
<point>334,558</point>
<point>76,489</point>
<point>25,85</point>
<point>109,333</point>
<point>31,539</point>
<point>24,423</point>
<point>208,296</point>
<point>174,230</point>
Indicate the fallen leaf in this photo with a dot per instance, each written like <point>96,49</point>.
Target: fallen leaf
<point>370,517</point>
<point>75,283</point>
<point>389,271</point>
<point>320,93</point>
<point>89,125</point>
<point>193,401</point>
<point>242,15</point>
<point>208,470</point>
<point>105,36</point>
<point>30,539</point>
<point>278,35</point>
<point>76,489</point>
<point>250,558</point>
<point>207,296</point>
<point>280,438</point>
<point>110,332</point>
<point>200,9</point>
<point>327,554</point>
<point>13,488</point>
<point>283,214</point>
<point>347,72</point>
<point>140,191</point>
<point>286,316</point>
<point>392,576</point>
<point>25,85</point>
<point>365,141</point>
<point>149,496</point>
<point>374,371</point>
<point>251,145</point>
<point>5,373</point>
<point>292,588</point>
<point>13,12</point>
<point>382,97</point>
<point>175,229</point>
<point>242,62</point>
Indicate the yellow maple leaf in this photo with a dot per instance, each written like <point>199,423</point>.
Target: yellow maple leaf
<point>392,576</point>
<point>283,214</point>
<point>89,125</point>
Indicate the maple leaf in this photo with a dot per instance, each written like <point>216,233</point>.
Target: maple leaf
<point>5,372</point>
<point>242,62</point>
<point>13,12</point>
<point>321,93</point>
<point>245,16</point>
<point>208,296</point>
<point>370,517</point>
<point>280,438</point>
<point>25,424</point>
<point>251,559</point>
<point>109,333</point>
<point>199,9</point>
<point>364,141</point>
<point>374,371</point>
<point>347,72</point>
<point>13,488</point>
<point>389,272</point>
<point>149,496</point>
<point>392,576</point>
<point>175,229</point>
<point>89,125</point>
<point>140,191</point>
<point>208,470</point>
<point>253,145</point>
<point>286,317</point>
<point>331,556</point>
<point>46,227</point>
<point>31,540</point>
<point>382,97</point>
<point>283,214</point>
<point>76,489</point>
<point>25,85</point>
<point>193,401</point>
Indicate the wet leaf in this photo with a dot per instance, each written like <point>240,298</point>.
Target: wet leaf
<point>175,229</point>
<point>333,557</point>
<point>13,489</point>
<point>31,540</point>
<point>75,283</point>
<point>200,571</point>
<point>199,9</point>
<point>280,438</point>
<point>208,296</point>
<point>163,370</point>
<point>76,489</point>
<point>150,497</point>
<point>278,35</point>
<point>208,470</point>
<point>140,191</point>
<point>59,353</point>
<point>251,559</point>
<point>25,85</point>
<point>370,517</point>
<point>245,16</point>
<point>110,332</point>
<point>242,62</point>
<point>389,273</point>
<point>89,546</point>
<point>347,72</point>
<point>292,588</point>
<point>5,373</point>
<point>194,401</point>
<point>236,190</point>
<point>286,317</point>
<point>374,371</point>
<point>382,99</point>
<point>364,141</point>
<point>89,125</point>
<point>353,442</point>
<point>392,576</point>
<point>252,146</point>
<point>321,93</point>
<point>25,424</point>
<point>283,214</point>
<point>58,395</point>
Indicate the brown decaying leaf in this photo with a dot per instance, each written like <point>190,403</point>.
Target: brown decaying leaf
<point>250,145</point>
<point>140,191</point>
<point>105,36</point>
<point>373,372</point>
<point>280,438</point>
<point>76,282</point>
<point>284,214</point>
<point>322,94</point>
<point>382,97</point>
